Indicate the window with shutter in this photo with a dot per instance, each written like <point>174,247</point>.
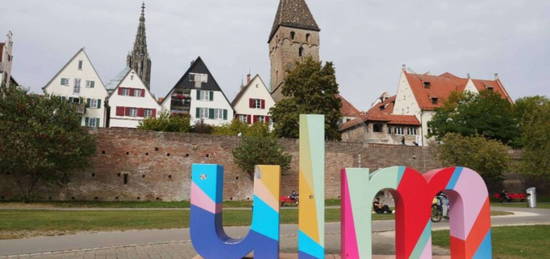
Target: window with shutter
<point>87,122</point>
<point>142,93</point>
<point>198,114</point>
<point>119,111</point>
<point>119,91</point>
<point>248,119</point>
<point>267,119</point>
<point>211,95</point>
<point>263,104</point>
<point>225,114</point>
<point>97,122</point>
<point>251,103</point>
<point>99,103</point>
<point>154,113</point>
<point>211,113</point>
<point>140,112</point>
<point>88,102</point>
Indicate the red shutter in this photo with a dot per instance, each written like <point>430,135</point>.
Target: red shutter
<point>250,103</point>
<point>266,119</point>
<point>120,91</point>
<point>263,104</point>
<point>132,92</point>
<point>126,111</point>
<point>154,113</point>
<point>255,118</point>
<point>248,119</point>
<point>119,111</point>
<point>142,93</point>
<point>140,112</point>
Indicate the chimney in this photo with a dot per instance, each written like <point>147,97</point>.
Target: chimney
<point>404,67</point>
<point>248,78</point>
<point>496,76</point>
<point>469,76</point>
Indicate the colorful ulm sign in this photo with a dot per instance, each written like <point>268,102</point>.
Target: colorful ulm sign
<point>413,191</point>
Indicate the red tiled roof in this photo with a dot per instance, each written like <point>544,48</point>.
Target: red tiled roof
<point>442,86</point>
<point>382,112</point>
<point>348,110</point>
<point>160,100</point>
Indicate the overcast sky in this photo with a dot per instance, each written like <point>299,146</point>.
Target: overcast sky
<point>368,40</point>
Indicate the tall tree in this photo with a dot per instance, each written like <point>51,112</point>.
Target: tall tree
<point>534,118</point>
<point>41,140</point>
<point>486,114</point>
<point>489,158</point>
<point>310,88</point>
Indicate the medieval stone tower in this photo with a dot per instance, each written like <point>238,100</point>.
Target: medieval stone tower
<point>139,59</point>
<point>294,35</point>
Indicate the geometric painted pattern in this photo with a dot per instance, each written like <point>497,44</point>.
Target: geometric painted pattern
<point>206,228</point>
<point>470,221</point>
<point>311,219</point>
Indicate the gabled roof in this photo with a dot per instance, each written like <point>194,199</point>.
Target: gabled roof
<point>295,14</point>
<point>348,110</point>
<point>382,112</point>
<point>113,83</point>
<point>496,85</point>
<point>69,62</point>
<point>128,71</point>
<point>425,87</point>
<point>245,88</point>
<point>198,66</point>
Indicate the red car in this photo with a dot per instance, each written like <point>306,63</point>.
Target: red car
<point>288,200</point>
<point>511,196</point>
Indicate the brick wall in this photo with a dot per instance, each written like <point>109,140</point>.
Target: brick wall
<point>157,166</point>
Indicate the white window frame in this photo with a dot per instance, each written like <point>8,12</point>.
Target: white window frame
<point>257,103</point>
<point>203,113</point>
<point>133,112</point>
<point>147,113</point>
<point>93,103</point>
<point>92,122</point>
<point>125,91</point>
<point>76,88</point>
<point>243,118</point>
<point>90,84</point>
<point>65,81</point>
<point>137,92</point>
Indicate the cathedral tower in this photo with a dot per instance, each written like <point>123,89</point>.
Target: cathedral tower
<point>294,35</point>
<point>139,59</point>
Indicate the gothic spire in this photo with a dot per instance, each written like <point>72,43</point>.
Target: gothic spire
<point>139,59</point>
<point>295,14</point>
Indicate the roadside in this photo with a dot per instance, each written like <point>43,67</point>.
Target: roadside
<point>141,239</point>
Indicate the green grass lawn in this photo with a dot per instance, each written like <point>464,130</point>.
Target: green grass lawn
<point>512,242</point>
<point>541,205</point>
<point>25,223</point>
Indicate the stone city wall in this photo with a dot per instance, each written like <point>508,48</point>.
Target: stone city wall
<point>134,165</point>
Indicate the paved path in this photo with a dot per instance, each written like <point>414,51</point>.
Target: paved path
<point>174,243</point>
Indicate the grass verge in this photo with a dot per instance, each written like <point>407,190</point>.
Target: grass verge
<point>27,223</point>
<point>540,205</point>
<point>511,242</point>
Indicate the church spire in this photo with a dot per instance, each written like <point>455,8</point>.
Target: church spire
<point>139,59</point>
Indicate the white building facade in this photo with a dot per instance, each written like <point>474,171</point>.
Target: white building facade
<point>79,83</point>
<point>130,102</point>
<point>253,102</point>
<point>198,95</point>
<point>6,59</point>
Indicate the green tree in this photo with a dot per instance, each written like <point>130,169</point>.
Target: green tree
<point>486,114</point>
<point>260,150</point>
<point>490,158</point>
<point>239,128</point>
<point>167,123</point>
<point>41,140</point>
<point>310,88</point>
<point>534,118</point>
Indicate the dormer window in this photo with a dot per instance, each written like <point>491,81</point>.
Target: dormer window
<point>435,100</point>
<point>382,107</point>
<point>489,88</point>
<point>292,35</point>
<point>427,84</point>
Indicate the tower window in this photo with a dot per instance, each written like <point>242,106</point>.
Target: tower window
<point>301,51</point>
<point>307,37</point>
<point>292,35</point>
